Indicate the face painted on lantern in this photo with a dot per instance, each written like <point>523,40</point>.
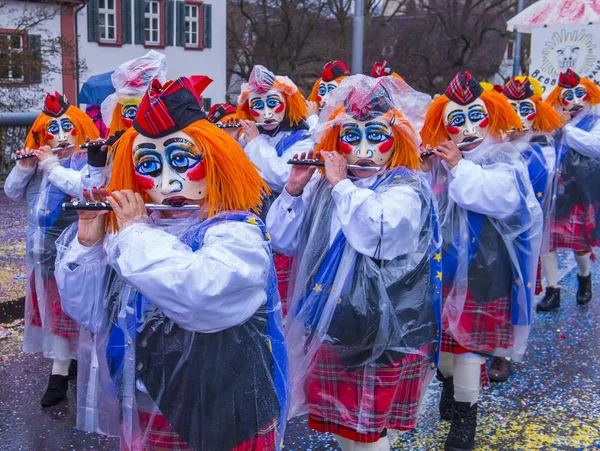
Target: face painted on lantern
<point>170,169</point>
<point>128,109</point>
<point>268,108</point>
<point>466,123</point>
<point>60,132</point>
<point>575,98</point>
<point>366,143</point>
<point>526,111</point>
<point>324,89</point>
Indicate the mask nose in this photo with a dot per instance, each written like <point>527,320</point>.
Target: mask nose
<point>268,114</point>
<point>363,150</point>
<point>169,183</point>
<point>470,129</point>
<point>62,136</point>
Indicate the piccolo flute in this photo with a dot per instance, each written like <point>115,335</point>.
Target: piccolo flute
<point>54,150</point>
<point>321,164</point>
<point>94,144</point>
<point>236,125</point>
<point>429,153</point>
<point>100,206</point>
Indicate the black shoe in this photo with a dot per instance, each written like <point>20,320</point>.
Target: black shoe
<point>56,391</point>
<point>500,369</point>
<point>73,369</point>
<point>551,300</point>
<point>584,292</point>
<point>447,398</point>
<point>462,430</point>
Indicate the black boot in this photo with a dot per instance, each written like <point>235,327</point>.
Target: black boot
<point>447,398</point>
<point>56,391</point>
<point>73,369</point>
<point>551,300</point>
<point>500,370</point>
<point>462,430</point>
<point>584,292</point>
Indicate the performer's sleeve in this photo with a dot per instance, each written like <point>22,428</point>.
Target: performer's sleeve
<point>312,121</point>
<point>17,180</point>
<point>380,225</point>
<point>489,191</point>
<point>69,181</point>
<point>220,285</point>
<point>274,169</point>
<point>284,220</point>
<point>586,143</point>
<point>81,277</point>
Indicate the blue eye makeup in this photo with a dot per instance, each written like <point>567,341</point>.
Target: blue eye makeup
<point>351,136</point>
<point>322,90</point>
<point>525,109</point>
<point>457,119</point>
<point>129,111</point>
<point>148,163</point>
<point>53,128</point>
<point>568,95</point>
<point>376,135</point>
<point>580,92</point>
<point>257,104</point>
<point>181,160</point>
<point>477,115</point>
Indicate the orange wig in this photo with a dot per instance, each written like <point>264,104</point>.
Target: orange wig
<point>502,118</point>
<point>405,151</point>
<point>593,91</point>
<point>315,89</point>
<point>233,182</point>
<point>116,121</point>
<point>84,127</point>
<point>295,105</point>
<point>547,118</point>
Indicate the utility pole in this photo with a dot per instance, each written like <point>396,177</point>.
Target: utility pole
<point>358,36</point>
<point>518,43</point>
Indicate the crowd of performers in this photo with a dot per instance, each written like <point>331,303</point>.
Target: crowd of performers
<point>210,289</point>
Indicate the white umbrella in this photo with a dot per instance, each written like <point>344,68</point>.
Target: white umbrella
<point>555,12</point>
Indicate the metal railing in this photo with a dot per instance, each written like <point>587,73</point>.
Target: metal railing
<point>13,131</point>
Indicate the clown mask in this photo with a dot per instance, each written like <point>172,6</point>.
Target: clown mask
<point>526,111</point>
<point>465,123</point>
<point>128,109</point>
<point>60,132</point>
<point>366,143</point>
<point>170,169</point>
<point>575,99</point>
<point>268,108</point>
<point>325,87</point>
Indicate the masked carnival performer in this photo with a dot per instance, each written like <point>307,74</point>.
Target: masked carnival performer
<point>333,74</point>
<point>57,172</point>
<point>575,217</point>
<point>225,117</point>
<point>491,228</point>
<point>273,114</point>
<point>184,304</point>
<point>383,69</point>
<point>363,326</point>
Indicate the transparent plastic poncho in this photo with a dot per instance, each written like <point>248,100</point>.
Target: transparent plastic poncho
<point>490,261</point>
<point>131,80</point>
<point>151,382</point>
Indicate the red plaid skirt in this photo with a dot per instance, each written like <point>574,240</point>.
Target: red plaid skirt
<point>160,436</point>
<point>283,267</point>
<point>574,231</point>
<point>486,327</point>
<point>60,324</point>
<point>361,404</point>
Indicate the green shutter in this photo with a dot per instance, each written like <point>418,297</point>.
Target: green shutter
<point>34,45</point>
<point>170,19</point>
<point>180,29</point>
<point>207,26</point>
<point>140,27</point>
<point>206,103</point>
<point>92,19</point>
<point>126,21</point>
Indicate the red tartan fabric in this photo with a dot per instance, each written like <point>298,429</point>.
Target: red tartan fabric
<point>574,231</point>
<point>538,280</point>
<point>161,438</point>
<point>481,328</point>
<point>361,405</point>
<point>60,323</point>
<point>283,267</point>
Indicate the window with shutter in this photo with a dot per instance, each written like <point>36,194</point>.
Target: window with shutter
<point>92,19</point>
<point>193,25</point>
<point>170,22</point>
<point>139,21</point>
<point>110,22</point>
<point>154,23</point>
<point>180,24</point>
<point>126,21</point>
<point>34,45</point>
<point>20,58</point>
<point>207,26</point>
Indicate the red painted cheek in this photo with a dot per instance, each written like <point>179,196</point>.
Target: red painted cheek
<point>49,136</point>
<point>585,97</point>
<point>452,130</point>
<point>564,102</point>
<point>127,122</point>
<point>484,123</point>
<point>197,173</point>
<point>145,182</point>
<point>254,113</point>
<point>345,147</point>
<point>531,117</point>
<point>319,98</point>
<point>386,146</point>
<point>74,132</point>
<point>280,108</point>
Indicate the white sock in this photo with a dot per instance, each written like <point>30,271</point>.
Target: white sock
<point>383,444</point>
<point>467,377</point>
<point>345,443</point>
<point>583,262</point>
<point>550,267</point>
<point>61,367</point>
<point>446,365</point>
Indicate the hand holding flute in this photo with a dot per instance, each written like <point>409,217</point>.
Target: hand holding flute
<point>301,174</point>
